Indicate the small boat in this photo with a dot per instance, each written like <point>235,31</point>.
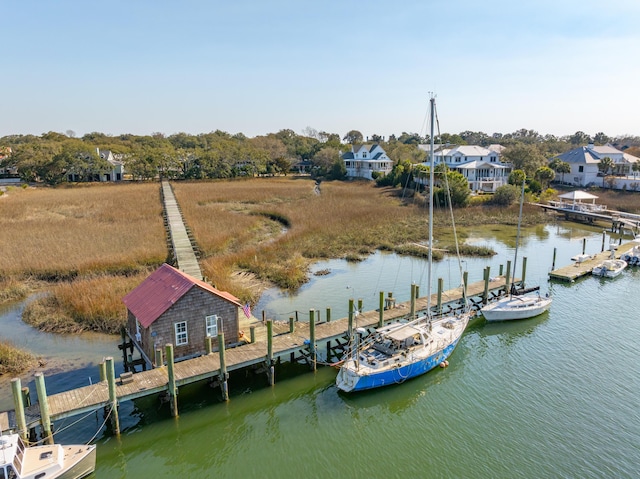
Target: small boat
<point>632,257</point>
<point>609,268</point>
<point>519,304</point>
<point>404,349</point>
<point>516,307</point>
<point>51,461</point>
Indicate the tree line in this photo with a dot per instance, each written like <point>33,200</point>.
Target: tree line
<point>218,154</point>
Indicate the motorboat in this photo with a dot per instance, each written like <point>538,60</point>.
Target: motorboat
<point>609,268</point>
<point>18,460</point>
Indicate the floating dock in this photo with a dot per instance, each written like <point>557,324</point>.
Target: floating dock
<point>576,270</point>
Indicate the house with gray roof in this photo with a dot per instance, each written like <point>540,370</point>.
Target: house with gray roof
<point>482,167</point>
<point>363,160</point>
<point>584,162</point>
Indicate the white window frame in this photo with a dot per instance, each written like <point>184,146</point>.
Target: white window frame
<point>182,337</point>
<point>212,325</point>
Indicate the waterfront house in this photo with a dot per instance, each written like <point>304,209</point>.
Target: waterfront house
<point>584,162</point>
<point>365,160</point>
<point>114,173</point>
<point>482,167</point>
<point>172,307</point>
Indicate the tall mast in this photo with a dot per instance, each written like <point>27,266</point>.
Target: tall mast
<point>515,257</point>
<point>432,102</point>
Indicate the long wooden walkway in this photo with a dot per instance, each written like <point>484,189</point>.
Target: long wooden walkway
<point>90,398</point>
<point>186,259</point>
<point>577,270</point>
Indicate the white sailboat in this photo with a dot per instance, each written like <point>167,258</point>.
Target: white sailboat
<point>517,304</point>
<point>48,461</point>
<point>404,349</point>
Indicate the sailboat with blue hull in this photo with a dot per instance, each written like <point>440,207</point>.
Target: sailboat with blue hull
<point>408,348</point>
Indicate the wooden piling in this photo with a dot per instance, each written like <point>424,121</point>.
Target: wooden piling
<point>465,282</point>
<point>381,310</point>
<point>412,311</point>
<point>350,324</point>
<point>292,324</point>
<point>507,279</point>
<point>360,306</point>
<point>45,418</point>
<point>113,399</point>
<point>103,371</point>
<point>440,288</point>
<point>604,234</point>
<point>208,349</point>
<point>252,334</point>
<point>173,390</point>
<point>501,270</point>
<point>486,275</point>
<point>328,315</point>
<point>524,269</point>
<point>158,360</point>
<point>18,403</point>
<point>224,386</point>
<point>584,245</point>
<point>270,368</point>
<point>312,339</point>
<point>553,263</point>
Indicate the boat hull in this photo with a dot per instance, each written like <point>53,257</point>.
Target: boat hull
<point>517,307</point>
<point>349,381</point>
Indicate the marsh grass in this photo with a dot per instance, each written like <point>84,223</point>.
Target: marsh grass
<point>14,360</point>
<point>275,228</point>
<point>63,233</point>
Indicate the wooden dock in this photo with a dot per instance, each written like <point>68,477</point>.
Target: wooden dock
<point>181,245</point>
<point>290,345</point>
<point>577,270</point>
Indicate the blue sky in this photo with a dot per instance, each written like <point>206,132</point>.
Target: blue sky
<point>257,67</point>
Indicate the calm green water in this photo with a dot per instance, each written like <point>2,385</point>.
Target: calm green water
<point>554,396</point>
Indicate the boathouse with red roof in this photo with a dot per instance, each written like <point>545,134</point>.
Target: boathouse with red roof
<point>172,307</point>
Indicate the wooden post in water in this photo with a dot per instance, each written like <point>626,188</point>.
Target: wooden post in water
<point>524,270</point>
<point>604,233</point>
<point>465,282</point>
<point>26,397</point>
<point>158,360</point>
<point>173,390</point>
<point>501,270</point>
<point>359,305</point>
<point>103,371</point>
<point>223,368</point>
<point>328,315</point>
<point>553,263</point>
<point>486,275</point>
<point>413,301</point>
<point>312,339</point>
<point>440,288</point>
<point>252,334</point>
<point>207,345</point>
<point>270,368</point>
<point>381,310</point>
<point>45,419</point>
<point>292,324</point>
<point>113,399</point>
<point>584,245</point>
<point>18,403</point>
<point>350,324</point>
<point>507,278</point>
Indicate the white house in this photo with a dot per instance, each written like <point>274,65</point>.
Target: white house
<point>116,173</point>
<point>363,160</point>
<point>480,166</point>
<point>584,162</point>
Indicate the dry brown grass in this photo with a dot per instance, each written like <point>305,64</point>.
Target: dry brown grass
<point>60,233</point>
<point>14,360</point>
<point>275,228</point>
<point>85,304</point>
